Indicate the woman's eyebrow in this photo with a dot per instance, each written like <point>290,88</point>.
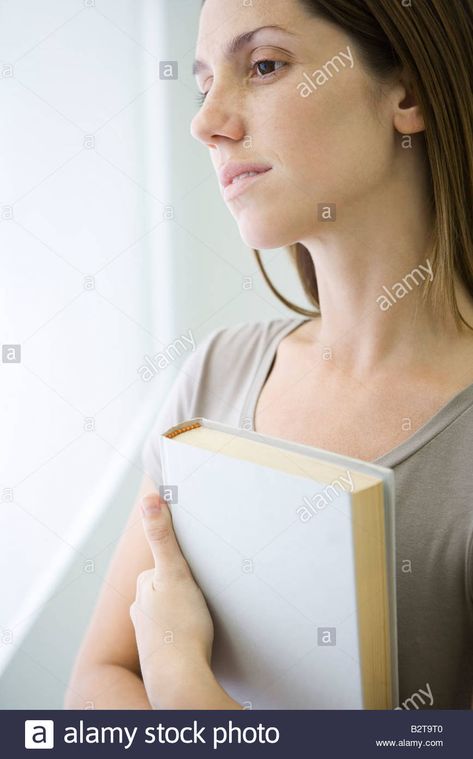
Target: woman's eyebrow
<point>236,44</point>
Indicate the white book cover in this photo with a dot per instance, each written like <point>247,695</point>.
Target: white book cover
<point>273,555</point>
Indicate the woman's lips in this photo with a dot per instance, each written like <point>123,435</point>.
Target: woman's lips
<point>240,185</point>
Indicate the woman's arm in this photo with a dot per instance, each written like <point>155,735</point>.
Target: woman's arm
<point>106,673</point>
<point>198,689</point>
<point>106,686</point>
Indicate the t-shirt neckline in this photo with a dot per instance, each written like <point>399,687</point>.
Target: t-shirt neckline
<point>447,414</point>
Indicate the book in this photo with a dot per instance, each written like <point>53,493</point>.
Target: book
<point>294,550</point>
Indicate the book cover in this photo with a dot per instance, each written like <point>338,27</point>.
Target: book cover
<point>293,548</point>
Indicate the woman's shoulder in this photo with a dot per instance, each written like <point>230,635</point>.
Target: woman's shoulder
<point>244,342</point>
<point>214,379</point>
<point>218,375</point>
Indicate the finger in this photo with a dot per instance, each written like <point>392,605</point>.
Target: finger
<point>143,579</point>
<point>157,523</point>
<point>144,591</point>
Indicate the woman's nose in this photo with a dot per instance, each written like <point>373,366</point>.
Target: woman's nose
<point>217,117</point>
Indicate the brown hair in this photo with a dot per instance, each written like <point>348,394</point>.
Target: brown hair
<point>432,40</point>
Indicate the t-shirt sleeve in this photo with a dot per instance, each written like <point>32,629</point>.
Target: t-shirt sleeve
<point>178,405</point>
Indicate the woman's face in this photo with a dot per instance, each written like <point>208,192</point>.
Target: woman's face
<point>310,112</point>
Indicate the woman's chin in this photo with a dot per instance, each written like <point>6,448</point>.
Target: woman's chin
<point>263,239</point>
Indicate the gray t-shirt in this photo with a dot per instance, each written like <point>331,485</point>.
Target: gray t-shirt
<point>222,379</point>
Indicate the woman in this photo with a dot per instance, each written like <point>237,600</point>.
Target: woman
<point>356,116</point>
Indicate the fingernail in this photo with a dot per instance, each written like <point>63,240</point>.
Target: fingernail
<point>151,506</point>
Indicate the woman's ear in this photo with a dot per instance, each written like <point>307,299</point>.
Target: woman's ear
<point>408,118</point>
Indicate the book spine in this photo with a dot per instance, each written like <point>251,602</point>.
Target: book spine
<point>174,433</point>
<point>164,461</point>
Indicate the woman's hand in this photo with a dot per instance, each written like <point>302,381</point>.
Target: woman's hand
<point>173,626</point>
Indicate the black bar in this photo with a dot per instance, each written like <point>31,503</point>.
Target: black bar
<point>290,734</point>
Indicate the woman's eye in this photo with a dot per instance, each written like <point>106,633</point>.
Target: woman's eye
<point>265,75</point>
<point>264,62</point>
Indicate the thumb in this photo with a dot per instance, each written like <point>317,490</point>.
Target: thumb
<point>169,561</point>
